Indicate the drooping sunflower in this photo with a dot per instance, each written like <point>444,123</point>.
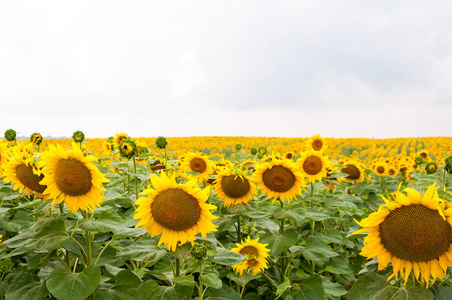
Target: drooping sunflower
<point>233,188</point>
<point>196,162</point>
<point>279,178</point>
<point>22,171</point>
<point>392,171</point>
<point>71,177</point>
<point>118,138</point>
<point>354,170</point>
<point>414,232</point>
<point>424,154</point>
<point>313,164</point>
<point>316,143</point>
<point>256,256</point>
<point>176,211</point>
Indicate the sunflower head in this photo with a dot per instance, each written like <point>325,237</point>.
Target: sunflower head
<point>279,178</point>
<point>380,169</point>
<point>313,164</point>
<point>36,138</point>
<point>128,148</point>
<point>199,251</point>
<point>414,232</point>
<point>253,151</point>
<point>161,142</point>
<point>316,143</point>
<point>255,253</point>
<point>196,162</point>
<point>78,136</point>
<point>176,211</point>
<point>431,167</point>
<point>118,138</point>
<point>107,146</point>
<point>234,188</point>
<point>262,150</point>
<point>354,170</point>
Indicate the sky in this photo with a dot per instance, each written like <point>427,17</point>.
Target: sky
<point>374,69</point>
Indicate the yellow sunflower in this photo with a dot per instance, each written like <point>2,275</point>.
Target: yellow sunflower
<point>233,188</point>
<point>313,165</point>
<point>279,178</point>
<point>392,171</point>
<point>196,162</point>
<point>424,154</point>
<point>118,138</point>
<point>316,143</point>
<point>256,256</point>
<point>381,169</point>
<point>22,171</point>
<point>176,211</point>
<point>71,177</point>
<point>414,232</point>
<point>4,156</point>
<point>354,170</point>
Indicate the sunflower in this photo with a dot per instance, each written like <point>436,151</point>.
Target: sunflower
<point>329,180</point>
<point>414,232</point>
<point>392,171</point>
<point>289,155</point>
<point>118,138</point>
<point>431,167</point>
<point>380,169</point>
<point>312,165</point>
<point>128,148</point>
<point>424,154</point>
<point>316,143</point>
<point>71,177</point>
<point>234,188</point>
<point>196,162</point>
<point>256,256</point>
<point>354,170</point>
<point>4,155</point>
<point>176,211</point>
<point>279,178</point>
<point>107,146</point>
<point>22,171</point>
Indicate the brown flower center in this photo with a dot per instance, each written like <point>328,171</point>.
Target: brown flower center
<point>423,155</point>
<point>175,209</point>
<point>380,169</point>
<point>415,233</point>
<point>312,165</point>
<point>235,186</point>
<point>317,145</point>
<point>29,179</point>
<point>249,250</point>
<point>252,262</point>
<point>198,165</point>
<point>278,179</point>
<point>73,177</point>
<point>391,172</point>
<point>352,171</point>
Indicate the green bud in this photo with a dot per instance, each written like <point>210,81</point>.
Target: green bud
<point>418,160</point>
<point>199,251</point>
<point>10,135</point>
<point>294,289</point>
<point>431,167</point>
<point>247,229</point>
<point>448,164</point>
<point>161,142</point>
<point>127,148</point>
<point>78,136</point>
<point>36,138</point>
<point>262,149</point>
<point>253,151</point>
<point>260,155</point>
<point>143,150</point>
<point>238,147</point>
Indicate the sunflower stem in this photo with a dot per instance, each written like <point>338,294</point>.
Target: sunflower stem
<point>312,195</point>
<point>61,205</point>
<point>200,288</point>
<point>444,179</point>
<point>136,178</point>
<point>281,229</point>
<point>166,163</point>
<point>177,267</point>
<point>239,233</point>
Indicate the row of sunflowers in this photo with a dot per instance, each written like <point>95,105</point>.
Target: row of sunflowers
<point>225,218</point>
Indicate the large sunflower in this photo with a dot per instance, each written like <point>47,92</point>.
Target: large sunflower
<point>71,177</point>
<point>196,162</point>
<point>313,165</point>
<point>22,171</point>
<point>3,155</point>
<point>176,211</point>
<point>256,256</point>
<point>413,232</point>
<point>234,188</point>
<point>354,170</point>
<point>279,178</point>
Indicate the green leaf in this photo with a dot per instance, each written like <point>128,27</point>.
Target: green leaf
<point>52,241</point>
<point>314,215</point>
<point>373,286</point>
<point>311,289</point>
<point>243,279</point>
<point>144,250</point>
<point>223,293</point>
<point>227,257</point>
<point>283,286</point>
<point>73,286</point>
<point>23,286</point>
<point>188,280</point>
<point>211,279</point>
<point>317,250</point>
<point>295,213</point>
<point>150,290</point>
<point>333,288</point>
<point>441,292</point>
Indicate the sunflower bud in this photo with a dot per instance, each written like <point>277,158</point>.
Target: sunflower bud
<point>260,155</point>
<point>78,136</point>
<point>161,142</point>
<point>238,147</point>
<point>294,289</point>
<point>128,148</point>
<point>262,149</point>
<point>36,138</point>
<point>253,151</point>
<point>199,251</point>
<point>247,229</point>
<point>431,167</point>
<point>448,164</point>
<point>10,135</point>
<point>418,160</point>
<point>143,150</point>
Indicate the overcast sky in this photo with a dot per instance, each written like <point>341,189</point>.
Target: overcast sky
<point>242,68</point>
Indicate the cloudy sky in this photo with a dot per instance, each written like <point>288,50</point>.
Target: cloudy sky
<point>242,68</point>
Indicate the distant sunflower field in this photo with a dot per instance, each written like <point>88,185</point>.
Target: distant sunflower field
<point>225,218</point>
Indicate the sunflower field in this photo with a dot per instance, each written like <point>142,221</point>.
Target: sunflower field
<point>225,218</point>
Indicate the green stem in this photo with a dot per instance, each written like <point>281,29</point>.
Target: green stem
<point>444,178</point>
<point>166,163</point>
<point>312,195</point>
<point>177,267</point>
<point>61,205</point>
<point>281,229</point>
<point>136,178</point>
<point>200,288</point>
<point>239,234</point>
<point>105,247</point>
